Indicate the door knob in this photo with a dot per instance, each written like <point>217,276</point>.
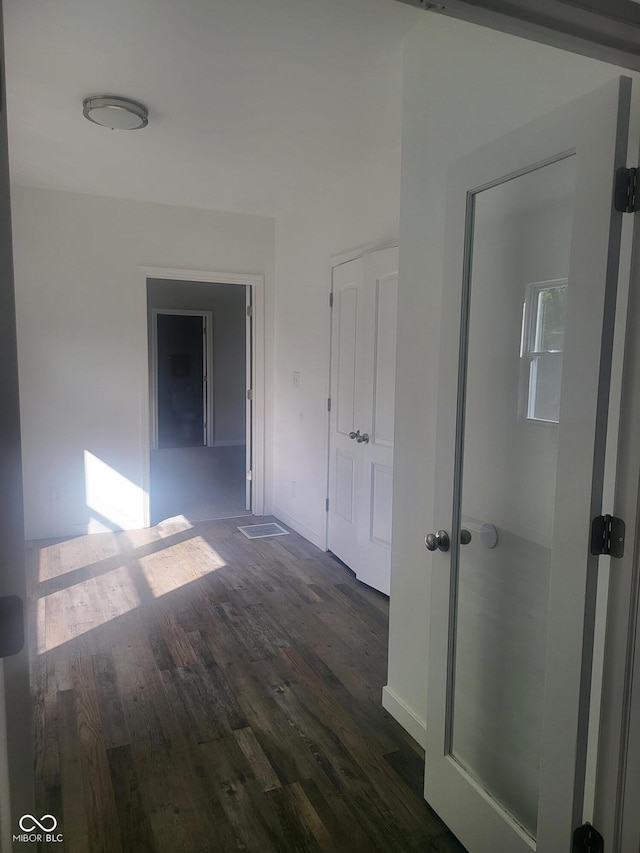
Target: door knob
<point>353,434</point>
<point>440,540</point>
<point>362,439</point>
<point>435,541</point>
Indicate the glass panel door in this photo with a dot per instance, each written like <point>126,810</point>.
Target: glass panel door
<point>514,305</point>
<point>530,271</point>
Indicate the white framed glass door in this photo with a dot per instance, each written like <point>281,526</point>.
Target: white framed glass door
<point>531,265</point>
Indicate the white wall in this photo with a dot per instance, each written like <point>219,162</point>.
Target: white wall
<point>82,340</point>
<point>346,212</point>
<point>227,302</point>
<point>463,86</point>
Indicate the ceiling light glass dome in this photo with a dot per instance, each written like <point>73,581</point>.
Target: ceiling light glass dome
<point>115,112</point>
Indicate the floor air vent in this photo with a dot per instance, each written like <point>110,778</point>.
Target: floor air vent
<point>259,531</point>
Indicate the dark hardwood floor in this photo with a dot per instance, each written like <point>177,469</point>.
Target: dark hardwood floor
<point>197,691</point>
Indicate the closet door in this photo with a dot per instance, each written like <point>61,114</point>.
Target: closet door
<point>346,410</point>
<point>363,390</point>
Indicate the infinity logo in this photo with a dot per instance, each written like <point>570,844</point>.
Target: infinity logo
<point>37,823</point>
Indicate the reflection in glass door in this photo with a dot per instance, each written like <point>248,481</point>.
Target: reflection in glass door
<point>511,369</point>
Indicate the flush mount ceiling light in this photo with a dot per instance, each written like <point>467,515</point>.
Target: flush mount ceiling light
<point>115,112</point>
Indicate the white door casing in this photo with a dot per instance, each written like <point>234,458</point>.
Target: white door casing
<point>364,323</point>
<point>590,131</point>
<point>248,420</point>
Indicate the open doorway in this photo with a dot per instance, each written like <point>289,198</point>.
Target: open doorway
<point>200,373</point>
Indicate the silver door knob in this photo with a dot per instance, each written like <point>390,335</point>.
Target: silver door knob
<point>353,434</point>
<point>362,439</point>
<point>440,540</point>
<point>435,541</point>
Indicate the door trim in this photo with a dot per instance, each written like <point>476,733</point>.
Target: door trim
<point>351,254</point>
<point>153,370</point>
<point>607,30</point>
<point>256,283</point>
<point>618,775</point>
<point>249,408</point>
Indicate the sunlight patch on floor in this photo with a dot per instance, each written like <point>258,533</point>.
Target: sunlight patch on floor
<point>124,571</point>
<point>171,526</point>
<point>173,567</point>
<point>67,613</point>
<point>62,558</point>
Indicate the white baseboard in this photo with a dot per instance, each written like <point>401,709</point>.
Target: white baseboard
<point>402,713</point>
<point>313,537</point>
<point>229,442</point>
<point>54,532</point>
<point>63,531</point>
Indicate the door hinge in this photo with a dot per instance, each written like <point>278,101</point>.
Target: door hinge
<point>625,191</point>
<point>326,505</point>
<point>329,404</point>
<point>586,839</point>
<point>11,625</point>
<point>250,394</point>
<point>331,300</point>
<point>607,536</point>
<point>249,310</point>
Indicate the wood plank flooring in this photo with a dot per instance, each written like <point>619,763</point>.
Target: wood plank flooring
<point>196,691</point>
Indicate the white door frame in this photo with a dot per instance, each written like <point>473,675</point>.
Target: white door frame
<point>257,426</point>
<point>248,403</point>
<point>336,261</point>
<point>618,770</point>
<point>608,30</point>
<point>208,359</point>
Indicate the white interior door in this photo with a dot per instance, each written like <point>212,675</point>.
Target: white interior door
<point>365,294</point>
<point>530,275</point>
<point>346,409</point>
<point>378,404</point>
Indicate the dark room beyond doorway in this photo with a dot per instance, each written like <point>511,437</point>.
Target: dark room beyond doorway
<point>182,420</point>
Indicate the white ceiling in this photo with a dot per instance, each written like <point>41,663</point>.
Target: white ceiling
<point>250,101</point>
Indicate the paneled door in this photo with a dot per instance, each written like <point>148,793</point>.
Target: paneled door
<point>364,319</point>
<point>531,265</point>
